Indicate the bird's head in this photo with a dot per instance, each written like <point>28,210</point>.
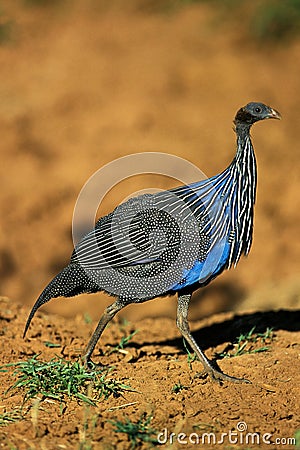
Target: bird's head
<point>253,112</point>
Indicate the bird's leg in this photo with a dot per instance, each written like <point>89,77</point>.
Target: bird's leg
<point>210,367</point>
<point>106,317</point>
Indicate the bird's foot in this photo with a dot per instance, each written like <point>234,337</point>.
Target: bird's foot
<point>90,365</point>
<point>218,376</point>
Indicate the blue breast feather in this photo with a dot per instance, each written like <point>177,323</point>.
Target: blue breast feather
<point>213,198</point>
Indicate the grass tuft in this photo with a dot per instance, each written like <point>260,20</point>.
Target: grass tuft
<point>8,417</point>
<point>247,344</point>
<point>137,432</point>
<point>58,379</point>
<point>119,348</point>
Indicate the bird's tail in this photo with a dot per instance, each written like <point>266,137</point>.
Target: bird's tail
<point>71,281</point>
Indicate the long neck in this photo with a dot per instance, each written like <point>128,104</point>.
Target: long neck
<point>244,163</point>
<point>224,204</point>
<point>243,172</point>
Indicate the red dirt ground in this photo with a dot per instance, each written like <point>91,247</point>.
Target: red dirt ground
<point>154,364</point>
<point>83,83</point>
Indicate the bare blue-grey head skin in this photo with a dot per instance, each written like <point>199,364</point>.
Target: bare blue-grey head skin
<point>216,216</point>
<point>253,112</point>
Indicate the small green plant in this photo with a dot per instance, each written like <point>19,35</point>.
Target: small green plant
<point>51,344</point>
<point>137,432</point>
<point>178,387</point>
<point>191,356</point>
<point>123,343</point>
<point>244,344</point>
<point>58,379</point>
<point>10,416</point>
<point>87,318</point>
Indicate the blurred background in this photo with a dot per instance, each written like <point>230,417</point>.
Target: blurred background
<point>83,82</point>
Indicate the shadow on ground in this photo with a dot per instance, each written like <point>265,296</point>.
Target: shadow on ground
<point>228,330</point>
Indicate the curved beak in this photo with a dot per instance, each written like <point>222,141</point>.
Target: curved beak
<point>274,114</point>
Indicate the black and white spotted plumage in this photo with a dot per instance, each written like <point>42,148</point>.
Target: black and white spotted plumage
<point>170,242</point>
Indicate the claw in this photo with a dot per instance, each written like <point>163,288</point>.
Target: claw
<point>219,376</point>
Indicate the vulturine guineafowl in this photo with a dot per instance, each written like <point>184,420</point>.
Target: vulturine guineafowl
<point>169,242</point>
